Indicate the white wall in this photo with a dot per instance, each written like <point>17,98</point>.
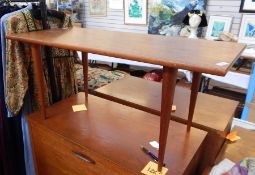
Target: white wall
<point>115,18</point>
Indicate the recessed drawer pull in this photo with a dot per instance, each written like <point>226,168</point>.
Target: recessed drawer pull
<point>84,157</point>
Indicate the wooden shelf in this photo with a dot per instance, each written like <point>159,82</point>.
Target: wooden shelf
<point>176,52</point>
<point>116,132</point>
<point>146,95</point>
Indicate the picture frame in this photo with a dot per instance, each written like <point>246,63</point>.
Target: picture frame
<point>135,12</point>
<point>116,4</point>
<point>69,7</point>
<point>218,24</point>
<point>247,6</point>
<point>247,30</point>
<point>98,8</point>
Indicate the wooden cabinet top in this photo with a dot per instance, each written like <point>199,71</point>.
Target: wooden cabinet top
<point>176,52</point>
<point>117,132</point>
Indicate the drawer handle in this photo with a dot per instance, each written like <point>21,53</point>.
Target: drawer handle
<point>84,157</point>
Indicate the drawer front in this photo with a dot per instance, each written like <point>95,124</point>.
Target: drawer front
<point>54,155</point>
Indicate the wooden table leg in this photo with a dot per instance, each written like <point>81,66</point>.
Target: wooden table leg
<point>85,73</point>
<point>193,97</point>
<point>168,89</point>
<point>38,70</point>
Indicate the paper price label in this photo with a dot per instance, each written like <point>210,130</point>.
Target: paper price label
<point>222,64</point>
<point>77,108</point>
<point>152,169</point>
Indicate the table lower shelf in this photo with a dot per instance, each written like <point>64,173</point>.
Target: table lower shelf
<point>111,134</point>
<point>146,95</point>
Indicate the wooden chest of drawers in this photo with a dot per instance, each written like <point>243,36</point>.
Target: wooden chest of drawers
<point>106,139</point>
<point>56,155</point>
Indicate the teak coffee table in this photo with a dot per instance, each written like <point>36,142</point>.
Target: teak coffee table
<point>199,56</point>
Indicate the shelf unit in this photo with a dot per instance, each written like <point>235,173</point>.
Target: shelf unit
<point>198,56</point>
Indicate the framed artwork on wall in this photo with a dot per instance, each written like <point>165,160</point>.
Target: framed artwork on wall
<point>116,4</point>
<point>70,7</point>
<point>166,16</point>
<point>97,7</point>
<point>218,24</point>
<point>247,30</point>
<point>135,12</point>
<point>247,6</point>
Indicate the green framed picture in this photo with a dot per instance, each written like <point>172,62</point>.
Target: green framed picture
<point>135,12</point>
<point>217,25</point>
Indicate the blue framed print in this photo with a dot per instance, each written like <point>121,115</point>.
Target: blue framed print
<point>217,25</point>
<point>247,30</point>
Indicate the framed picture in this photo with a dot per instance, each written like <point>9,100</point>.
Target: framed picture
<point>116,4</point>
<point>70,7</point>
<point>247,6</point>
<point>97,7</point>
<point>166,16</point>
<point>218,24</point>
<point>247,30</point>
<point>135,12</point>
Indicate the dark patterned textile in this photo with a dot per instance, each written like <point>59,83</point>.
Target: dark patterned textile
<point>19,70</point>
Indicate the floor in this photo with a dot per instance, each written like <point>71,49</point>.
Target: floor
<point>251,117</point>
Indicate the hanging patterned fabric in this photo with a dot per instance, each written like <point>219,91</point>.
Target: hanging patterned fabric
<point>12,148</point>
<point>19,69</point>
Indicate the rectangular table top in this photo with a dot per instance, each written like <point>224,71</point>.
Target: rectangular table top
<point>176,52</point>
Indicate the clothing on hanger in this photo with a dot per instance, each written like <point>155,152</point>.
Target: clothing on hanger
<point>18,133</point>
<point>20,71</point>
<point>10,130</point>
<point>8,9</point>
<point>17,78</point>
<point>36,12</point>
<point>2,148</point>
<point>40,13</point>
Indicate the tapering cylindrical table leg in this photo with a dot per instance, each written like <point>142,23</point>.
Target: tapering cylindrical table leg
<point>85,73</point>
<point>193,97</point>
<point>168,89</point>
<point>38,70</point>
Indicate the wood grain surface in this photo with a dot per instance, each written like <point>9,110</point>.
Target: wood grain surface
<point>146,95</point>
<point>176,52</point>
<point>237,151</point>
<point>167,98</point>
<point>36,56</point>
<point>115,132</point>
<point>193,97</point>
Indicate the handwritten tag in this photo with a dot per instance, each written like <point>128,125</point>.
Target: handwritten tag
<point>233,136</point>
<point>77,108</point>
<point>222,64</point>
<point>173,108</point>
<point>152,169</point>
